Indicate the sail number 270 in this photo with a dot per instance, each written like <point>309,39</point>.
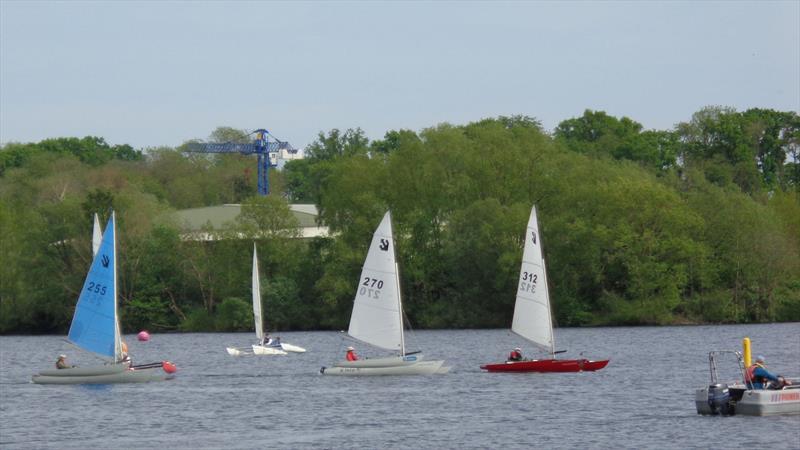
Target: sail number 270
<point>371,287</point>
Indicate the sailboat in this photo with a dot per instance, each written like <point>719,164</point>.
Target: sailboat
<point>377,317</point>
<point>95,328</point>
<point>271,348</point>
<point>532,315</point>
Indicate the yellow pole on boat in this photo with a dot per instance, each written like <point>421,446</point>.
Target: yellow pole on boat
<point>746,348</point>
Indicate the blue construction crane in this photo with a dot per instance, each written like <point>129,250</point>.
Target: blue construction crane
<point>265,145</point>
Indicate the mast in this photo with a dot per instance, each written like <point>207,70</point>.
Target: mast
<point>117,328</point>
<point>397,284</point>
<point>546,291</point>
<point>550,317</point>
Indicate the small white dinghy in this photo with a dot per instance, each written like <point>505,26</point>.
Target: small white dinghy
<point>271,348</point>
<point>377,316</point>
<point>736,397</point>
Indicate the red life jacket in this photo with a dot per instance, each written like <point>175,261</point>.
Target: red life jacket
<point>351,356</point>
<point>750,377</point>
<point>515,356</point>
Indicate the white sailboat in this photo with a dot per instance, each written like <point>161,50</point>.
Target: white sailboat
<point>270,347</point>
<point>377,317</point>
<point>95,328</point>
<point>532,314</point>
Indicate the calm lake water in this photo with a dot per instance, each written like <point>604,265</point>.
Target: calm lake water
<point>643,399</point>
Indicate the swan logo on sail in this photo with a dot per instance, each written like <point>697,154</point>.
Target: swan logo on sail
<point>105,261</point>
<point>384,245</point>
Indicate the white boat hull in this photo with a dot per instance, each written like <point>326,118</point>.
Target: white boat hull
<point>755,402</point>
<point>292,348</point>
<point>110,374</point>
<point>390,361</point>
<point>410,368</point>
<point>260,350</point>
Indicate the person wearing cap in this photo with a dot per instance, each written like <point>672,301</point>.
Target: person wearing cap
<point>61,362</point>
<point>351,354</point>
<point>758,377</point>
<point>515,355</point>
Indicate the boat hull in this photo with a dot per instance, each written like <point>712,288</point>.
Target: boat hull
<point>547,366</point>
<point>110,374</point>
<point>292,348</point>
<point>754,402</point>
<point>391,361</point>
<point>409,368</point>
<point>260,350</point>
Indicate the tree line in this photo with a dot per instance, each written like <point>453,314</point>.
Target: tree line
<point>697,224</point>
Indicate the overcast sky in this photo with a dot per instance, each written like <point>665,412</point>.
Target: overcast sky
<point>151,73</point>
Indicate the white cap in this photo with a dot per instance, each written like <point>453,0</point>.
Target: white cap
<point>350,349</point>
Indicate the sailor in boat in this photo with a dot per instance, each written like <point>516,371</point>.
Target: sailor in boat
<point>276,342</point>
<point>351,354</point>
<point>266,341</point>
<point>758,377</point>
<point>126,358</point>
<point>515,355</point>
<point>61,363</point>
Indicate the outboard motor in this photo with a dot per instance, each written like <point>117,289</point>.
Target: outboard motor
<point>719,400</point>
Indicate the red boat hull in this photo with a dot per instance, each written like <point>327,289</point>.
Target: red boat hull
<point>547,365</point>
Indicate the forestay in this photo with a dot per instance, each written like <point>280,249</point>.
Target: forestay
<point>376,318</point>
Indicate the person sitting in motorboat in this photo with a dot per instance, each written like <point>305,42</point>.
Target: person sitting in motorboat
<point>351,354</point>
<point>515,355</point>
<point>61,363</point>
<point>758,377</point>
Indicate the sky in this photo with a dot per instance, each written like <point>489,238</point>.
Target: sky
<point>151,74</point>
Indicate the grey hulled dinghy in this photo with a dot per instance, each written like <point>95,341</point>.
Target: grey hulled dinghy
<point>377,317</point>
<point>95,327</point>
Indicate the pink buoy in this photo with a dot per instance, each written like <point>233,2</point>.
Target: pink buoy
<point>143,336</point>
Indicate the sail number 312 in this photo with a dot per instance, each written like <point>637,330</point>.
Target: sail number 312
<point>371,287</point>
<point>528,282</point>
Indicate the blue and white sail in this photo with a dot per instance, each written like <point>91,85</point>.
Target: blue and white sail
<point>95,327</point>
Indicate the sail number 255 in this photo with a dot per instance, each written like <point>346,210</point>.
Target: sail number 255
<point>371,287</point>
<point>528,282</point>
<point>96,288</point>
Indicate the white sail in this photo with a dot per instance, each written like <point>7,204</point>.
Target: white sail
<point>97,235</point>
<point>257,297</point>
<point>377,316</point>
<point>532,317</point>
